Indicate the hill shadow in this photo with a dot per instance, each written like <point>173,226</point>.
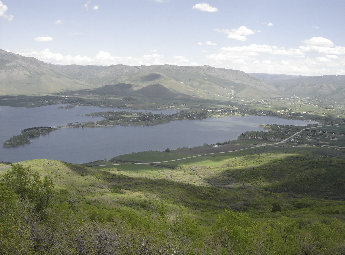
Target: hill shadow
<point>297,175</point>
<point>194,197</point>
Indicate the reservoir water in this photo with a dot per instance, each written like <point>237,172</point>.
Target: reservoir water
<point>77,145</point>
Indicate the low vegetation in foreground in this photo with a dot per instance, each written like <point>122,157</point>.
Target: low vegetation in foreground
<point>272,200</point>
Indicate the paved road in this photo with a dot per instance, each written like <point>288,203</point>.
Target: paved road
<point>285,140</point>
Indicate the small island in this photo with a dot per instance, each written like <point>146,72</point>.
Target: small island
<point>125,118</point>
<point>26,135</point>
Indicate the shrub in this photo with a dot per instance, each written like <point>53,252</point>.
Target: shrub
<point>28,185</point>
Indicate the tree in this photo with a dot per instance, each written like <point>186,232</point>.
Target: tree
<point>28,185</point>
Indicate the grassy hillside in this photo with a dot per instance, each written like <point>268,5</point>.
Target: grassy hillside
<point>264,201</point>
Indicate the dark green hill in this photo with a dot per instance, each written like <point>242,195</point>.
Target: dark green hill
<point>127,90</point>
<point>121,89</point>
<point>157,90</point>
<point>151,77</point>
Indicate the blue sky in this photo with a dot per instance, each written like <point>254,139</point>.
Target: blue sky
<point>273,36</point>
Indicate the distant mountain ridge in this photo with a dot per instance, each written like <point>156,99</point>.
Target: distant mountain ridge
<point>29,76</point>
<point>326,86</point>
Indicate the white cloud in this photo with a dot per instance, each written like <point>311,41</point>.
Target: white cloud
<point>43,39</point>
<point>270,24</point>
<point>323,59</point>
<point>104,56</point>
<point>210,43</point>
<point>319,41</point>
<point>87,6</point>
<point>3,12</point>
<point>239,34</point>
<point>316,56</point>
<point>205,7</point>
<point>182,61</point>
<point>332,56</point>
<point>321,46</point>
<point>58,22</point>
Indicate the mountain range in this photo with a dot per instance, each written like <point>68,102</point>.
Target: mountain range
<point>21,75</point>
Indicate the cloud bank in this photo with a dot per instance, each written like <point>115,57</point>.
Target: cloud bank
<point>315,56</point>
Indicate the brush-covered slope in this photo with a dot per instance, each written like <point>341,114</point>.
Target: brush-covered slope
<point>23,75</point>
<point>267,202</point>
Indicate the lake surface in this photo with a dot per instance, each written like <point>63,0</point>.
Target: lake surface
<point>77,145</point>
